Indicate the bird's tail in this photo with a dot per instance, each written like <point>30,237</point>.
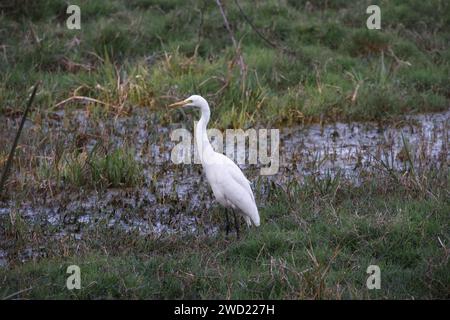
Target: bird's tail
<point>249,210</point>
<point>254,216</point>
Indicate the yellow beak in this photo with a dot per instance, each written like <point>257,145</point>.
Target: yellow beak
<point>179,104</point>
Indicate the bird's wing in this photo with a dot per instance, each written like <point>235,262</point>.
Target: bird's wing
<point>228,181</point>
<point>239,177</point>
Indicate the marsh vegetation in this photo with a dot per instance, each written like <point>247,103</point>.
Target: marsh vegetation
<point>364,171</point>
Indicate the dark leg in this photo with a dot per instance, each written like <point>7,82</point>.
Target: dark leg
<point>227,226</point>
<point>236,223</point>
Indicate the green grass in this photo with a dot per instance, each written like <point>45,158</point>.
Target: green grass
<point>317,238</point>
<point>94,169</point>
<point>115,169</point>
<point>314,242</point>
<point>148,53</point>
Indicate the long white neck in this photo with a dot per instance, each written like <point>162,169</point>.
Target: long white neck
<point>203,145</point>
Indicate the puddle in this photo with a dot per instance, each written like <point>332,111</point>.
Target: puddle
<point>356,147</point>
<point>176,199</point>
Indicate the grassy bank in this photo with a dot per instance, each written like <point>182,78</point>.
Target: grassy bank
<point>313,62</point>
<point>316,241</point>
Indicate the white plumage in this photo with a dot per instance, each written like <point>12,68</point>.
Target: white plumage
<point>229,185</point>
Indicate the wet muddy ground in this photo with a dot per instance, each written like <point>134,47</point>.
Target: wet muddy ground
<point>176,199</point>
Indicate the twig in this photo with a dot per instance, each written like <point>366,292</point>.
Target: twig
<point>270,43</point>
<point>80,98</point>
<point>200,25</point>
<point>233,39</point>
<point>16,140</point>
<point>441,243</point>
<point>17,293</point>
<point>399,61</point>
<point>355,93</point>
<point>266,40</point>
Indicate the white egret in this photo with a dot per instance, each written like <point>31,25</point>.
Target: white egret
<point>229,185</point>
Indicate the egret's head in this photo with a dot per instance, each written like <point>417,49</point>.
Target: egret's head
<point>192,101</point>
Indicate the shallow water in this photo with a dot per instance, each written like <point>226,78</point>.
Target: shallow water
<point>355,147</point>
<point>176,199</point>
